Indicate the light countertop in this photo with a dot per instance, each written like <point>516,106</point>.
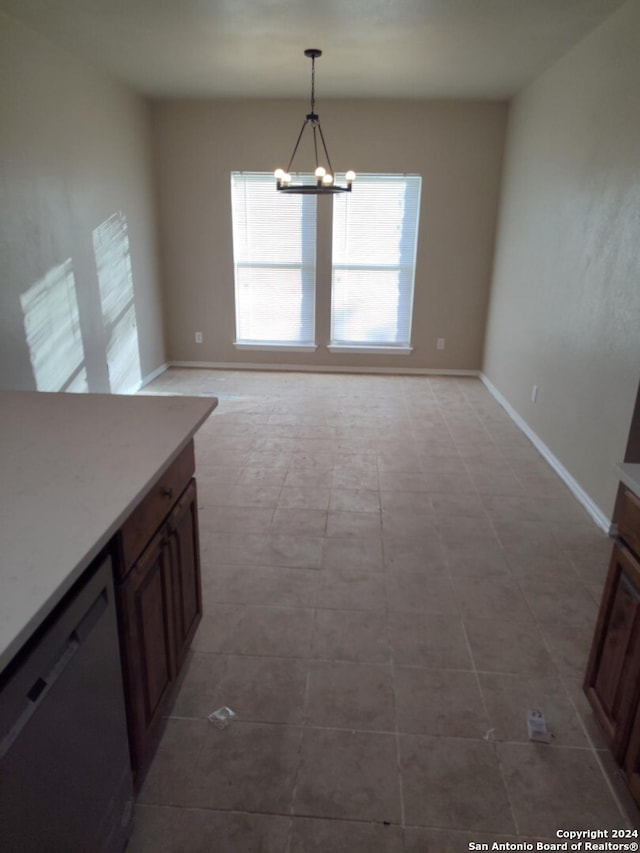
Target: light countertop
<point>630,475</point>
<point>72,468</point>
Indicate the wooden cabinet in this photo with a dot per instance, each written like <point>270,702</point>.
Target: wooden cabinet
<point>614,665</point>
<point>153,509</point>
<point>612,681</point>
<point>183,543</point>
<point>160,602</point>
<point>147,642</point>
<point>632,758</point>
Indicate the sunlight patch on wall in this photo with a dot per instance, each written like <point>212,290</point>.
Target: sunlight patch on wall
<point>113,263</point>
<point>52,329</point>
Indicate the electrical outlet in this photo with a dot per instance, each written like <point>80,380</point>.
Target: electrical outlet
<point>440,343</point>
<point>534,393</point>
<point>198,337</point>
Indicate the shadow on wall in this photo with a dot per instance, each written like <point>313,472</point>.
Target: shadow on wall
<point>59,342</point>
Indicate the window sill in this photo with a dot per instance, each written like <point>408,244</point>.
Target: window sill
<point>366,350</point>
<point>265,346</point>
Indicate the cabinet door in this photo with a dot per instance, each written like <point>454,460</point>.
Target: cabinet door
<point>148,647</point>
<point>613,673</point>
<point>182,526</point>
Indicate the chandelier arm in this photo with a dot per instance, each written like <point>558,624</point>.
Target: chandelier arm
<point>320,187</point>
<point>326,153</point>
<point>295,147</point>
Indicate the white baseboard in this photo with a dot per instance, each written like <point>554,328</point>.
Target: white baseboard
<point>153,375</point>
<point>594,511</point>
<point>322,368</point>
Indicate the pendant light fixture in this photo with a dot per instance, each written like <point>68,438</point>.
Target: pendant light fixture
<point>324,174</point>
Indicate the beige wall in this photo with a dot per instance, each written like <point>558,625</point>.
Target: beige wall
<point>455,146</point>
<point>75,152</point>
<point>565,303</point>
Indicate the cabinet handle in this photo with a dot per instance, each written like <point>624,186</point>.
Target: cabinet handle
<point>167,493</point>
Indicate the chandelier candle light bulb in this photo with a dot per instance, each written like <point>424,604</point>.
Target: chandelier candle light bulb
<point>324,183</point>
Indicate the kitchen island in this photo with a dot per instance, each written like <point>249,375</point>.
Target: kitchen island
<point>74,467</point>
<point>99,600</point>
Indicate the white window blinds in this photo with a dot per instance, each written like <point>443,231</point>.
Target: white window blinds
<point>274,248</point>
<point>375,232</point>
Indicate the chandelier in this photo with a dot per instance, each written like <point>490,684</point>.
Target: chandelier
<point>324,176</point>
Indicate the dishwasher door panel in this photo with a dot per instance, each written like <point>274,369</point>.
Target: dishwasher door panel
<point>65,778</point>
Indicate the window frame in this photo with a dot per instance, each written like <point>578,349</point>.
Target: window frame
<point>307,263</point>
<point>405,271</point>
<point>402,347</point>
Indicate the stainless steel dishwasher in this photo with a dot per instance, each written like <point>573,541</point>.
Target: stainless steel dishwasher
<point>65,778</point>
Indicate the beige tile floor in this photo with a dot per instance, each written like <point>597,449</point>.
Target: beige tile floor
<point>392,576</point>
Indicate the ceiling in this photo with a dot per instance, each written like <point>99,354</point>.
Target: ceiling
<point>371,48</point>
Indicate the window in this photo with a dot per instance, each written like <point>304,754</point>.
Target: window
<point>375,233</point>
<point>374,240</point>
<point>274,248</point>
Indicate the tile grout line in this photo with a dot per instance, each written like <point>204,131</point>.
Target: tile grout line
<point>347,820</point>
<point>350,729</point>
<point>490,739</point>
<point>464,627</point>
<point>397,732</point>
<point>303,726</point>
<point>392,663</point>
<point>496,754</point>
